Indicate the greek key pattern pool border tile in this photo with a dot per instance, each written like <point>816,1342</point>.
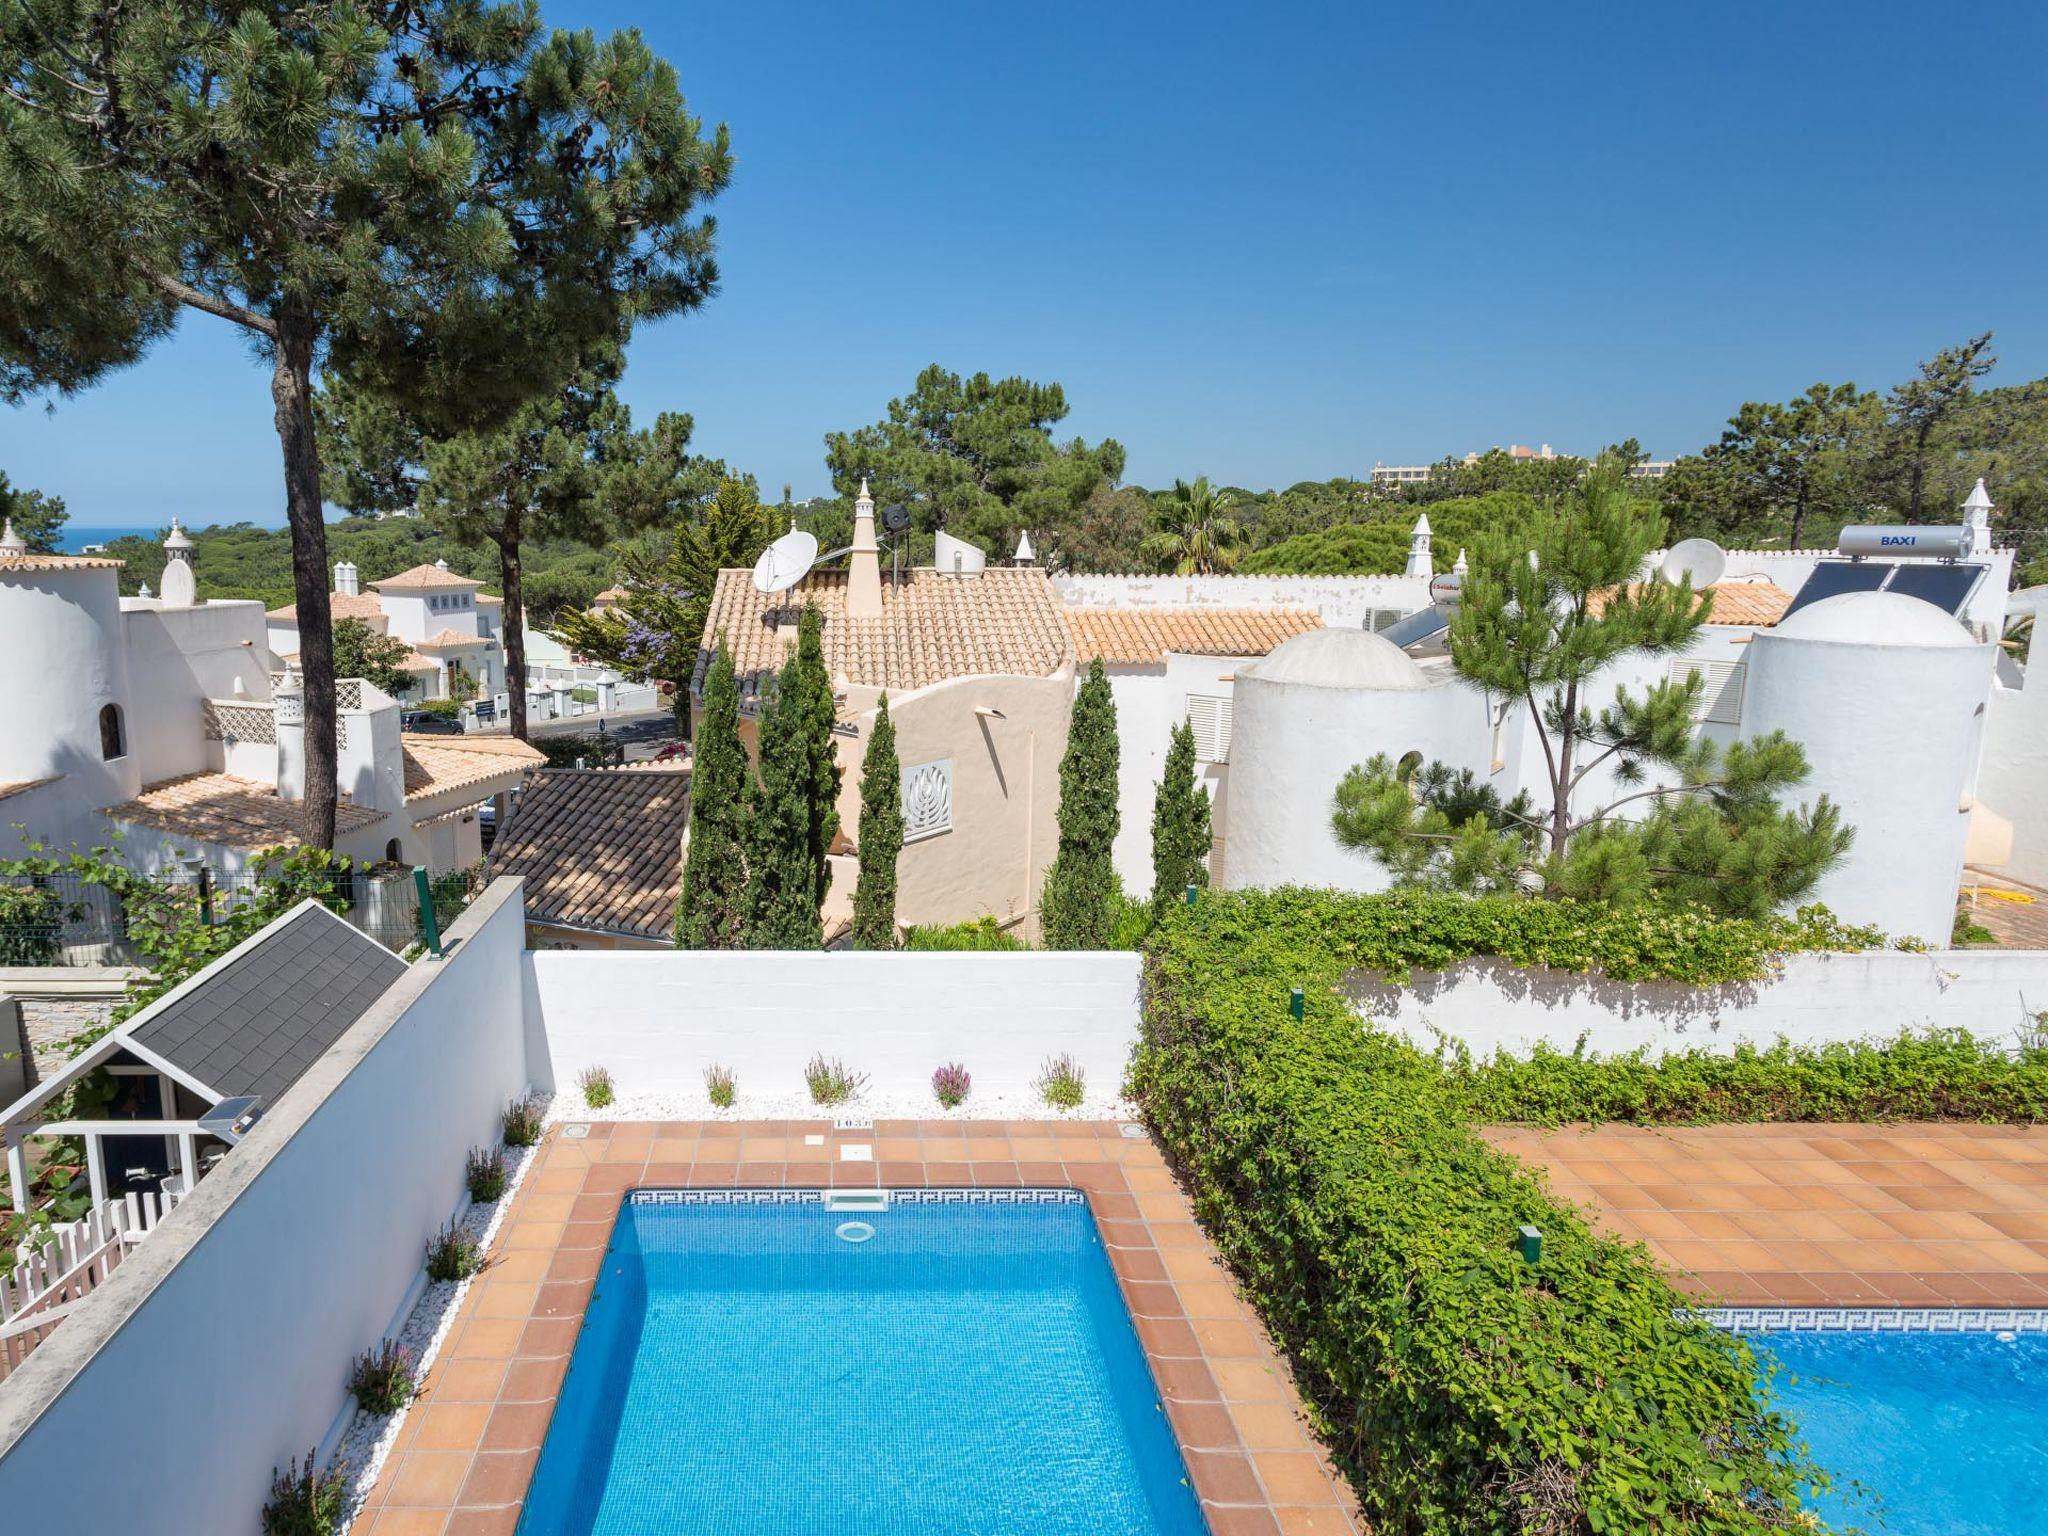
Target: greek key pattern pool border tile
<point>1878,1319</point>
<point>817,1196</point>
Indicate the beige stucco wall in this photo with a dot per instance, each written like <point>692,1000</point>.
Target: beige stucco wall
<point>1006,792</point>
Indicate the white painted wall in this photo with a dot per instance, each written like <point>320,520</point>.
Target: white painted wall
<point>657,1020</point>
<point>218,1351</point>
<point>178,657</point>
<point>2012,778</point>
<point>61,637</point>
<point>1150,702</point>
<point>1815,999</point>
<point>1343,601</point>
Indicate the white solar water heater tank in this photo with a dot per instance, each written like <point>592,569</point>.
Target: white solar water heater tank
<point>1886,693</point>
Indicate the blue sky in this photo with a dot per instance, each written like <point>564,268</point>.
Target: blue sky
<point>1270,243</point>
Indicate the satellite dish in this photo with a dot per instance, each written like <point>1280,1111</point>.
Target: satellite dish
<point>785,562</point>
<point>896,517</point>
<point>1701,559</point>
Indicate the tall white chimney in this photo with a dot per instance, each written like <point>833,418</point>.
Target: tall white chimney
<point>181,587</point>
<point>864,563</point>
<point>1977,518</point>
<point>1419,562</point>
<point>348,582</point>
<point>290,699</point>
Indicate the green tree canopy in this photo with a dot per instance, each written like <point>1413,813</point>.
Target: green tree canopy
<point>1078,908</point>
<point>881,836</point>
<point>657,629</point>
<point>711,912</point>
<point>1537,623</point>
<point>1180,824</point>
<point>1195,536</point>
<point>359,651</point>
<point>977,457</point>
<point>37,518</point>
<point>415,192</point>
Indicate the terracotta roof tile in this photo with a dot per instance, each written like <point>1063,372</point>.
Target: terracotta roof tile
<point>450,640</point>
<point>599,847</point>
<point>436,764</point>
<point>31,561</point>
<point>236,813</point>
<point>340,605</point>
<point>933,627</point>
<point>1140,636</point>
<point>1759,603</point>
<point>423,578</point>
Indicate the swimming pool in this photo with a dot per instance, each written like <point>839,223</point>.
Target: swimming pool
<point>1947,1433</point>
<point>959,1364</point>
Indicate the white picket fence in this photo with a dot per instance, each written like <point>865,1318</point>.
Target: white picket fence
<point>59,1269</point>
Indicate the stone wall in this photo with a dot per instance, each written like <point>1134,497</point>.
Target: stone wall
<point>42,1007</point>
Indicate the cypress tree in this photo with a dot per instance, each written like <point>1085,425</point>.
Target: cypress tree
<point>1180,824</point>
<point>818,712</point>
<point>782,879</point>
<point>711,912</point>
<point>881,837</point>
<point>1077,910</point>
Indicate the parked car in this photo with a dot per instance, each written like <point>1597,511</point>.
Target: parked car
<point>427,722</point>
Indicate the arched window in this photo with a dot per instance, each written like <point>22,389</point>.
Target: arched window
<point>111,743</point>
<point>1408,767</point>
<point>393,852</point>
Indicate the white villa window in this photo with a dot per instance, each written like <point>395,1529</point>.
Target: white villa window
<point>1209,714</point>
<point>927,799</point>
<point>1721,684</point>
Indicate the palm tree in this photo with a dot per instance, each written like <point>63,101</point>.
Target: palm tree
<point>1194,536</point>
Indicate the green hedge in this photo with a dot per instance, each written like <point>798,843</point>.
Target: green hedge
<point>979,933</point>
<point>1944,1075</point>
<point>1334,1167</point>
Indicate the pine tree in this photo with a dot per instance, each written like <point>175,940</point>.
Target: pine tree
<point>1078,908</point>
<point>443,200</point>
<point>881,836</point>
<point>712,911</point>
<point>782,877</point>
<point>819,711</point>
<point>1180,824</point>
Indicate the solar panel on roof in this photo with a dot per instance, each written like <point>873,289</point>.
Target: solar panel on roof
<point>1832,578</point>
<point>1948,587</point>
<point>1424,624</point>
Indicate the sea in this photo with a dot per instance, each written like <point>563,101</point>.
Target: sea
<point>73,538</point>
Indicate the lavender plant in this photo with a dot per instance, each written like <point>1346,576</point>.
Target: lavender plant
<point>598,1090</point>
<point>720,1085</point>
<point>950,1084</point>
<point>521,1121</point>
<point>486,1174</point>
<point>306,1501</point>
<point>1062,1083</point>
<point>383,1379</point>
<point>452,1254</point>
<point>830,1082</point>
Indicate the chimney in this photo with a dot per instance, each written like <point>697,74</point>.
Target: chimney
<point>1977,518</point>
<point>290,701</point>
<point>1025,553</point>
<point>864,566</point>
<point>348,582</point>
<point>181,589</point>
<point>1419,562</point>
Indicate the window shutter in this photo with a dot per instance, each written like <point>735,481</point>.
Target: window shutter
<point>1720,688</point>
<point>1209,714</point>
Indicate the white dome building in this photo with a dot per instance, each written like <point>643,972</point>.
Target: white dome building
<point>1886,694</point>
<point>65,695</point>
<point>1303,717</point>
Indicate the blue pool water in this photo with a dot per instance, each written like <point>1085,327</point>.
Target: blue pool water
<point>1946,1433</point>
<point>969,1370</point>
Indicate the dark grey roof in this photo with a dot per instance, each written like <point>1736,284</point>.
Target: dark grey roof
<point>259,1022</point>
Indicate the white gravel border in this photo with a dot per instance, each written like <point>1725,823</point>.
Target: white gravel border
<point>568,1107</point>
<point>368,1440</point>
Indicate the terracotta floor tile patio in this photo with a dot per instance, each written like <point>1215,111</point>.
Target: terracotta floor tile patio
<point>466,1451</point>
<point>1817,1215</point>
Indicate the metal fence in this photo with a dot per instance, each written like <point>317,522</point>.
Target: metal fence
<point>67,919</point>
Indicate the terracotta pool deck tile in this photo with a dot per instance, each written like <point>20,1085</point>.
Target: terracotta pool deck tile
<point>1874,1215</point>
<point>465,1455</point>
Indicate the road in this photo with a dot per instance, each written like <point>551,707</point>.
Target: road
<point>644,731</point>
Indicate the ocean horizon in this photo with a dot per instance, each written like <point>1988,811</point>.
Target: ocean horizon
<point>73,537</point>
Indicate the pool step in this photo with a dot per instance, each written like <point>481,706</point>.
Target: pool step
<point>856,1199</point>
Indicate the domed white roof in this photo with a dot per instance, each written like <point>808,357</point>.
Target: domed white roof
<point>1873,618</point>
<point>1339,658</point>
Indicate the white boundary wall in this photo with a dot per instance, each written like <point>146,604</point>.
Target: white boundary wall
<point>1814,1000</point>
<point>218,1350</point>
<point>657,1019</point>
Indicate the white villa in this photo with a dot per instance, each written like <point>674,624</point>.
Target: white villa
<point>453,627</point>
<point>174,726</point>
<point>1884,671</point>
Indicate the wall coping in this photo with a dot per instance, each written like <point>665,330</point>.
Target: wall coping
<point>68,980</point>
